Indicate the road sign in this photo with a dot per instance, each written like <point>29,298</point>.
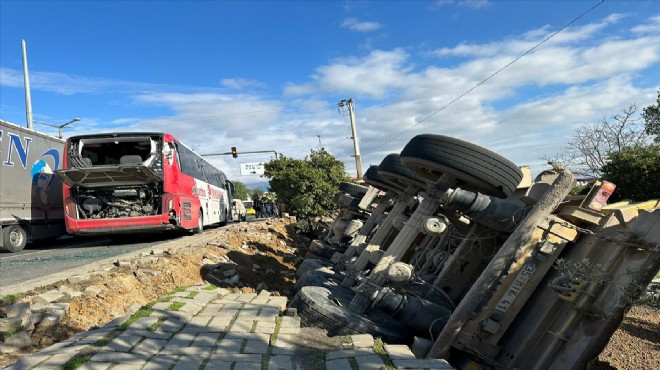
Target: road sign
<point>256,168</point>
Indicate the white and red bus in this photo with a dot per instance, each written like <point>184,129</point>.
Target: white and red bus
<point>135,182</point>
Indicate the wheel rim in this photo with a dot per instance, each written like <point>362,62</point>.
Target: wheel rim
<point>16,237</point>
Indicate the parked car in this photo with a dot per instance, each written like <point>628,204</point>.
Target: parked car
<point>238,211</point>
<point>249,208</point>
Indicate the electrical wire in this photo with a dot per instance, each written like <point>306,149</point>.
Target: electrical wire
<point>487,78</point>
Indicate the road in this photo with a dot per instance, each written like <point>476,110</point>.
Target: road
<point>44,259</point>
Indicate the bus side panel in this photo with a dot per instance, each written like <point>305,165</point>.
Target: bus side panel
<point>184,190</point>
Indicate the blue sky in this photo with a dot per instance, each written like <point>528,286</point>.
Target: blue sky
<point>267,75</point>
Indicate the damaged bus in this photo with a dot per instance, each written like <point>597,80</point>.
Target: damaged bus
<point>120,183</point>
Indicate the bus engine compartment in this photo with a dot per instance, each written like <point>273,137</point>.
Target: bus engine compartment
<point>130,201</point>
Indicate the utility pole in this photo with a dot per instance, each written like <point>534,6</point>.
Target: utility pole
<point>26,82</point>
<point>356,144</point>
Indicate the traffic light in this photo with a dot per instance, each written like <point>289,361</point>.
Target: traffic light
<point>234,152</point>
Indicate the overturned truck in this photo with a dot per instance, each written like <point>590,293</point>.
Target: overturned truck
<point>454,250</point>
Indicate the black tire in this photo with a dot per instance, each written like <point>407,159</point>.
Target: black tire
<point>346,201</point>
<point>392,170</point>
<point>14,238</point>
<point>327,308</point>
<point>321,276</point>
<point>353,189</point>
<point>310,264</point>
<point>475,168</point>
<point>372,178</point>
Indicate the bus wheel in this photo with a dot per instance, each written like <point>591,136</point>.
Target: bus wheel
<point>14,238</point>
<point>200,223</point>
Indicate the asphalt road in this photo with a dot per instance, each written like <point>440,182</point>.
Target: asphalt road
<point>44,259</point>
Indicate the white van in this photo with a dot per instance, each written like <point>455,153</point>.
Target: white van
<point>238,210</point>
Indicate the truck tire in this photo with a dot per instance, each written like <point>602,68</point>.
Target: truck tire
<point>14,238</point>
<point>327,307</point>
<point>372,178</point>
<point>353,189</point>
<point>476,168</point>
<point>392,170</point>
<point>319,277</point>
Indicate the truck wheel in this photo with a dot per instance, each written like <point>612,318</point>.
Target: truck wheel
<point>475,168</point>
<point>319,277</point>
<point>14,238</point>
<point>327,308</point>
<point>372,178</point>
<point>392,170</point>
<point>353,189</point>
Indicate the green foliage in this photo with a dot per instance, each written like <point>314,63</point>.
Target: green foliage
<point>636,172</point>
<point>651,115</point>
<point>305,187</point>
<point>255,194</point>
<point>240,191</point>
<point>581,189</point>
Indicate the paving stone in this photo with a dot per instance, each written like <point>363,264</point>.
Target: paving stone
<point>171,326</point>
<point>123,342</point>
<point>338,364</point>
<point>150,346</point>
<point>235,357</point>
<point>398,351</point>
<point>241,326</point>
<point>219,364</point>
<point>248,336</point>
<point>160,362</point>
<point>201,320</point>
<point>230,345</point>
<point>348,353</point>
<point>249,365</point>
<point>370,362</point>
<point>161,306</point>
<point>206,340</point>
<point>290,322</point>
<point>181,340</point>
<point>284,362</point>
<point>362,340</point>
<point>265,327</point>
<point>189,363</point>
<point>219,323</point>
<point>94,366</point>
<point>256,346</point>
<point>144,322</point>
<point>118,357</point>
<point>188,351</point>
<point>155,334</point>
<point>28,361</point>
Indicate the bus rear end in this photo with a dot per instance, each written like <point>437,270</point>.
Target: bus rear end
<point>115,183</point>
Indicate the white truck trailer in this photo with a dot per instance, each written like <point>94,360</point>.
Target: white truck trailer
<point>30,192</point>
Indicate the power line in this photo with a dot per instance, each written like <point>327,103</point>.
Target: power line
<point>489,77</point>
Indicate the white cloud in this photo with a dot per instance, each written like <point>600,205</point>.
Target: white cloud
<point>652,26</point>
<point>373,75</point>
<point>241,83</point>
<point>471,4</point>
<point>360,26</point>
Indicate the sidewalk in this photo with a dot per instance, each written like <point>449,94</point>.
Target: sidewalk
<point>206,328</point>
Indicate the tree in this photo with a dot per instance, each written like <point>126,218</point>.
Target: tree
<point>590,147</point>
<point>305,187</point>
<point>651,116</point>
<point>240,191</point>
<point>256,193</point>
<point>636,172</point>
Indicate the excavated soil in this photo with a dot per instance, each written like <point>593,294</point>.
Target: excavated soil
<point>257,255</point>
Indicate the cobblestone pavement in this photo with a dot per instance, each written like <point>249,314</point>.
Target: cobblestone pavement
<point>205,328</point>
